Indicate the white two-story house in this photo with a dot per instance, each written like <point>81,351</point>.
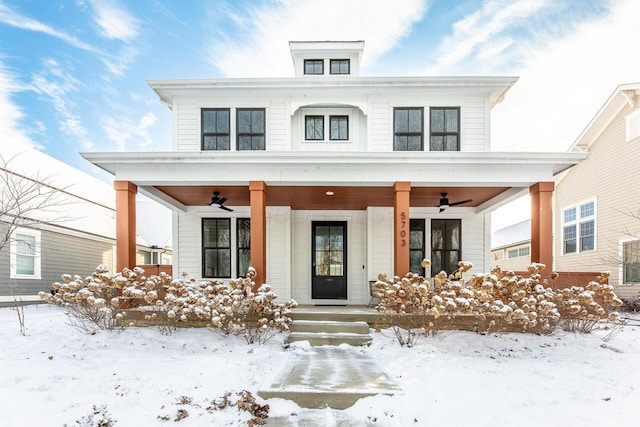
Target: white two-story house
<point>323,180</point>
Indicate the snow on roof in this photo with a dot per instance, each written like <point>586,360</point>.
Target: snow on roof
<point>512,235</point>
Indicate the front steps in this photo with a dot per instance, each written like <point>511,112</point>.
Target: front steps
<point>326,332</point>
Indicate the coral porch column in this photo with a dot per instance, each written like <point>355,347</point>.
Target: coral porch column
<point>125,224</point>
<point>401,263</point>
<point>542,224</point>
<point>258,202</point>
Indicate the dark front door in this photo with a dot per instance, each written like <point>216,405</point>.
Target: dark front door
<point>329,260</point>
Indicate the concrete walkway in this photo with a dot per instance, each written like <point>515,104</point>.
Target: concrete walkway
<point>329,376</point>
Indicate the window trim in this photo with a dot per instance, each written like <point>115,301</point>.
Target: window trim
<point>204,248</point>
<point>338,116</point>
<point>444,133</point>
<point>576,223</point>
<point>252,134</point>
<point>340,61</point>
<point>314,117</point>
<point>37,257</point>
<point>420,134</point>
<point>315,61</point>
<point>203,134</point>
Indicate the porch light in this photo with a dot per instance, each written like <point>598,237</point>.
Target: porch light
<point>329,193</point>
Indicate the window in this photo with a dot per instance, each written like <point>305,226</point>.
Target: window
<point>416,246</point>
<point>407,129</point>
<point>314,66</point>
<point>445,129</point>
<point>446,243</point>
<point>633,125</point>
<point>518,252</point>
<point>215,129</point>
<point>578,228</point>
<point>631,262</point>
<point>314,128</point>
<point>339,128</point>
<point>339,66</point>
<point>216,248</point>
<point>25,254</point>
<point>251,128</point>
<point>243,231</point>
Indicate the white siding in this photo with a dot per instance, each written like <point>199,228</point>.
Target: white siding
<point>189,241</point>
<point>380,238</point>
<point>278,126</point>
<point>279,251</point>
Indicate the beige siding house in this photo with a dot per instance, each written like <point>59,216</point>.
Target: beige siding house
<point>511,247</point>
<point>598,201</point>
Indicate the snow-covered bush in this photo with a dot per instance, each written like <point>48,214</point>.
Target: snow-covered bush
<point>527,304</point>
<point>100,417</point>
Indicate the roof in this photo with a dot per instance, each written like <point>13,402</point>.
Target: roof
<point>624,94</point>
<point>514,234</point>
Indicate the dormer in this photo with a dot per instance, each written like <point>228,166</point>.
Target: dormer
<point>326,58</point>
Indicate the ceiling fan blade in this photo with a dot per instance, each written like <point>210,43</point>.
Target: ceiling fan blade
<point>224,208</point>
<point>442,210</point>
<point>221,200</point>
<point>461,202</point>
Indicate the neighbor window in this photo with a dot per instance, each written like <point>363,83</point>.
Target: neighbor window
<point>339,128</point>
<point>444,129</point>
<point>578,228</point>
<point>216,248</point>
<point>243,232</point>
<point>314,66</point>
<point>314,128</point>
<point>215,129</point>
<point>407,129</point>
<point>250,128</point>
<point>416,246</point>
<point>518,252</point>
<point>24,254</point>
<point>631,262</point>
<point>446,244</point>
<point>339,66</point>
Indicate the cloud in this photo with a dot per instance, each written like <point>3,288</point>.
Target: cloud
<point>257,42</point>
<point>11,133</point>
<point>114,21</point>
<point>122,130</point>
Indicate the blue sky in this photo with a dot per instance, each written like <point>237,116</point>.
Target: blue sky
<point>72,72</point>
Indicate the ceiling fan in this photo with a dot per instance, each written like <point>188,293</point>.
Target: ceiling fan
<point>444,202</point>
<point>217,200</point>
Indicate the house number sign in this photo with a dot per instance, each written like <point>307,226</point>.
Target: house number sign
<point>403,229</point>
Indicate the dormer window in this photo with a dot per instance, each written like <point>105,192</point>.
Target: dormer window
<point>339,66</point>
<point>314,66</point>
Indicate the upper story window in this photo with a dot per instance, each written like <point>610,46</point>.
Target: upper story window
<point>578,228</point>
<point>314,66</point>
<point>445,129</point>
<point>250,128</point>
<point>314,128</point>
<point>631,262</point>
<point>408,129</point>
<point>215,129</point>
<point>25,254</point>
<point>339,66</point>
<point>339,128</point>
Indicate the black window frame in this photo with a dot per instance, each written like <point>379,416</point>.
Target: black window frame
<point>241,247</point>
<point>397,134</point>
<point>313,63</point>
<point>338,117</point>
<point>217,135</point>
<point>227,248</point>
<point>251,134</point>
<point>314,118</point>
<point>415,262</point>
<point>339,62</point>
<point>445,133</point>
<point>435,268</point>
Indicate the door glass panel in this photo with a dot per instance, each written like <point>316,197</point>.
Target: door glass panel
<point>329,250</point>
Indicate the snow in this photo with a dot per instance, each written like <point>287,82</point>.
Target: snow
<point>56,374</point>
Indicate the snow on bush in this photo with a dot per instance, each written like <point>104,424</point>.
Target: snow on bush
<point>526,303</point>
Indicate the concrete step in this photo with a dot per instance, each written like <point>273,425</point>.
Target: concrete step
<point>329,338</point>
<point>329,326</point>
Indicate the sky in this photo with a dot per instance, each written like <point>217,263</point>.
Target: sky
<point>73,72</point>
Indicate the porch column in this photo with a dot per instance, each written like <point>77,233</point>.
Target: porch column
<point>401,263</point>
<point>542,224</point>
<point>125,224</point>
<point>258,202</point>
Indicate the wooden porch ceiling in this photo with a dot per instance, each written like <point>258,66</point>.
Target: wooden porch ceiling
<point>315,198</point>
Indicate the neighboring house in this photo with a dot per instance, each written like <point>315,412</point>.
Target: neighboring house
<point>73,234</point>
<point>323,180</point>
<point>598,202</point>
<point>511,247</point>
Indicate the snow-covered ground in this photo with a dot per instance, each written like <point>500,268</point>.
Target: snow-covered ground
<point>55,375</point>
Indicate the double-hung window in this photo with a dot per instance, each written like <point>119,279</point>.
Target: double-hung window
<point>339,66</point>
<point>408,128</point>
<point>446,244</point>
<point>250,128</point>
<point>25,254</point>
<point>215,129</point>
<point>578,228</point>
<point>416,246</point>
<point>631,261</point>
<point>444,129</point>
<point>314,66</point>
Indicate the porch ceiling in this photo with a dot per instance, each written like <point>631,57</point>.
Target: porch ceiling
<point>315,197</point>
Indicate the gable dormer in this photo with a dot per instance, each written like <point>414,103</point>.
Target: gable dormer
<point>326,58</point>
